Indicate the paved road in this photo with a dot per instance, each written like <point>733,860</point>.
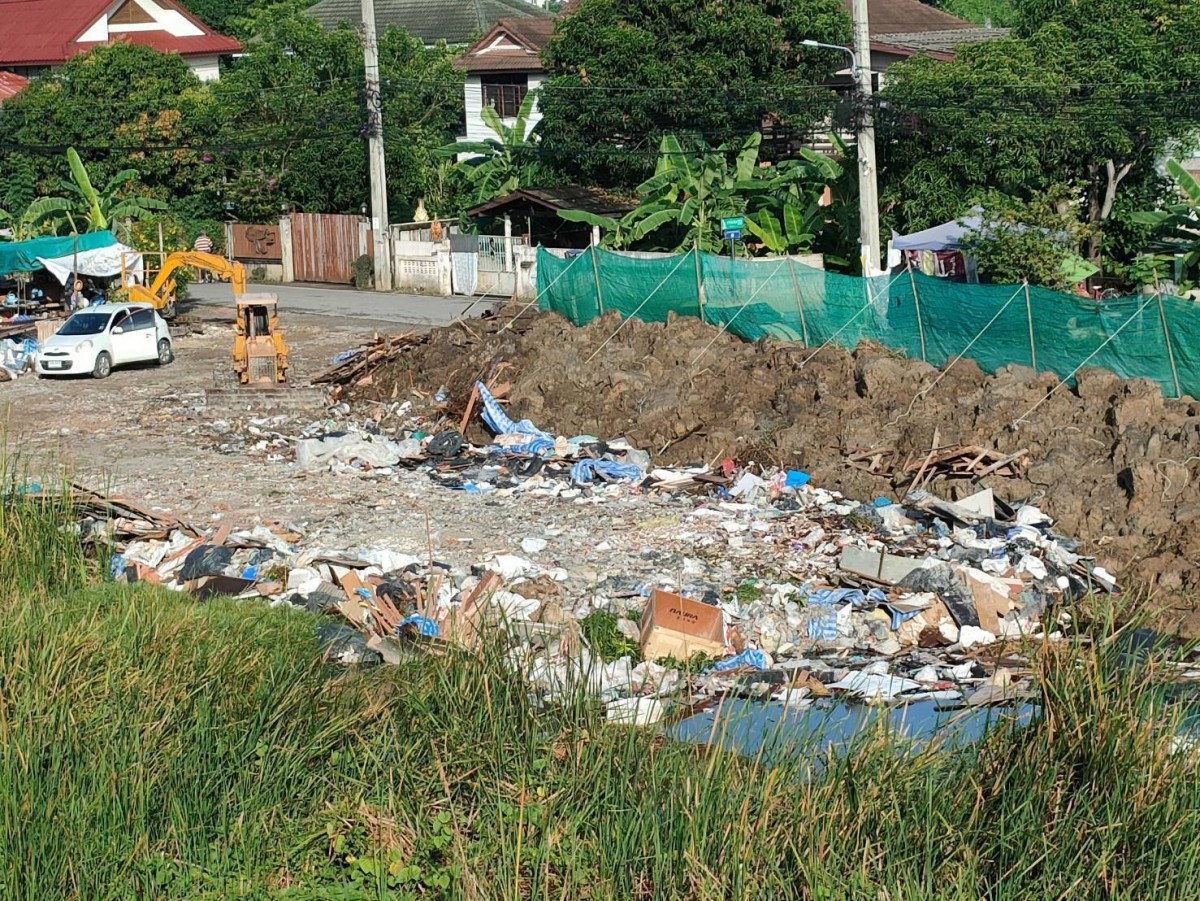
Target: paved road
<point>325,300</point>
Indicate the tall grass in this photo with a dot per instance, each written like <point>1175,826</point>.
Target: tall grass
<point>153,747</point>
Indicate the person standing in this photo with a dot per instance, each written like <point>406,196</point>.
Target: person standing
<point>204,244</point>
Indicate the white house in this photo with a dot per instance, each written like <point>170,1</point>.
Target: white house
<point>502,67</point>
<point>36,35</point>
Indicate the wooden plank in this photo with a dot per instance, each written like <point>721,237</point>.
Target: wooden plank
<point>1000,464</point>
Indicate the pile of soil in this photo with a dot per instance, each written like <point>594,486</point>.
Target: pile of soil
<point>1111,460</point>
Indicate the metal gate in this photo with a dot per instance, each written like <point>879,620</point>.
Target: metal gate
<point>497,272</point>
<point>324,247</point>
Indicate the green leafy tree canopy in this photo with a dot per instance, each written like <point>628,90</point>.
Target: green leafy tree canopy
<point>295,118</point>
<point>624,74</point>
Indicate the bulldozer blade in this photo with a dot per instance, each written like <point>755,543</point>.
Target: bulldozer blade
<point>251,398</point>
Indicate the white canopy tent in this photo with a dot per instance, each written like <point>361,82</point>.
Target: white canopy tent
<point>103,262</point>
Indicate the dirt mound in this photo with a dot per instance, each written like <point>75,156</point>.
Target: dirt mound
<point>1111,460</point>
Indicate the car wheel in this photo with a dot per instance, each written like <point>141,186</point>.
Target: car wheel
<point>165,354</point>
<point>103,367</point>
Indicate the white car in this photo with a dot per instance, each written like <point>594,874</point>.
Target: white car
<point>96,339</point>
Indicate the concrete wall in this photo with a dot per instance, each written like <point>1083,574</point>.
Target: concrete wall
<point>422,267</point>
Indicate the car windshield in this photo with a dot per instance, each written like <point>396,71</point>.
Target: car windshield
<point>85,324</point>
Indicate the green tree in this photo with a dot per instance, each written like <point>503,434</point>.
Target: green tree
<point>500,165</point>
<point>624,74</point>
<point>124,106</point>
<point>294,116</point>
<point>688,195</point>
<point>41,216</point>
<point>1037,240</point>
<point>226,16</point>
<point>1087,93</point>
<point>993,13</point>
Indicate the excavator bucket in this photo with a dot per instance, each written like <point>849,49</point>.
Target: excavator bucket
<point>260,356</point>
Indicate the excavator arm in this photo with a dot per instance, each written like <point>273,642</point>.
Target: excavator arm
<point>161,293</point>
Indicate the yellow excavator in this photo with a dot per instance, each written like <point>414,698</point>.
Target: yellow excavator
<point>160,293</point>
<point>260,356</point>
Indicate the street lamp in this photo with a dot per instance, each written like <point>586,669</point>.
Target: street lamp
<point>854,69</point>
<point>868,187</point>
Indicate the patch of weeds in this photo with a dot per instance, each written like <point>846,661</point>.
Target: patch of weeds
<point>604,638</point>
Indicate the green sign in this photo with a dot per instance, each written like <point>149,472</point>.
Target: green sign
<point>733,224</point>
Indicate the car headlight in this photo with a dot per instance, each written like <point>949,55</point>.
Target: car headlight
<point>84,345</point>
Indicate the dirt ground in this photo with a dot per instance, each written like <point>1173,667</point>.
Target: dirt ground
<point>1112,461</point>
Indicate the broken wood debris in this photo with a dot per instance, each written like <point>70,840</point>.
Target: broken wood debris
<point>966,461</point>
<point>359,365</point>
<point>126,521</point>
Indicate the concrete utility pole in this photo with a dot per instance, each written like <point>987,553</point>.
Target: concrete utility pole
<point>379,202</point>
<point>868,185</point>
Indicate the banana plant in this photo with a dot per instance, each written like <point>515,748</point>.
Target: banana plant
<point>800,226</point>
<point>1177,225</point>
<point>629,229</point>
<point>98,209</point>
<point>500,165</point>
<point>689,193</point>
<point>40,217</point>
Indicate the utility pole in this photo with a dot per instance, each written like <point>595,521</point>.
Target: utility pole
<point>868,185</point>
<point>378,168</point>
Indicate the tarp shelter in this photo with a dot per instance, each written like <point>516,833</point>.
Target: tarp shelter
<point>23,256</point>
<point>103,262</point>
<point>940,238</point>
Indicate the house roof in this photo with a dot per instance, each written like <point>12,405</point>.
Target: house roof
<point>522,42</point>
<point>452,21</point>
<point>908,17</point>
<point>11,85</point>
<point>940,41</point>
<point>47,32</point>
<point>591,200</point>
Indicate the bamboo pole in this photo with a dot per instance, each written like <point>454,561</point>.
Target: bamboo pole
<point>700,298</point>
<point>595,251</point>
<point>917,301</point>
<point>1029,319</point>
<point>1162,314</point>
<point>799,300</point>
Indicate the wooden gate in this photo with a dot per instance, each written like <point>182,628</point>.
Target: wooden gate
<point>324,247</point>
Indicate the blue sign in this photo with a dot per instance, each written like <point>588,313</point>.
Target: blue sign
<point>732,234</point>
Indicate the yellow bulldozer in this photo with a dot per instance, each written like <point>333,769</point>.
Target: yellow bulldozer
<point>260,356</point>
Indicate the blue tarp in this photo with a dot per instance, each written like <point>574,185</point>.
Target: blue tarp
<point>22,256</point>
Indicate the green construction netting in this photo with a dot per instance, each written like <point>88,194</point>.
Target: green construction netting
<point>22,256</point>
<point>995,325</point>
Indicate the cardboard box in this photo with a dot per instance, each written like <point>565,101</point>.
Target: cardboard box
<point>675,626</point>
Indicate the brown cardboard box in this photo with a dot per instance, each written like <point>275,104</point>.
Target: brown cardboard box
<point>675,626</point>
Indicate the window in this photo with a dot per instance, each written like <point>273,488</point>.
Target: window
<point>505,93</point>
<point>121,321</point>
<point>131,13</point>
<point>85,324</point>
<point>142,319</point>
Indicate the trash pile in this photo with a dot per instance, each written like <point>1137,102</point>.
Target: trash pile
<point>761,583</point>
<point>1115,462</point>
<point>17,356</point>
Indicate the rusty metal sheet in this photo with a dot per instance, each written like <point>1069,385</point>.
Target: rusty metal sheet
<point>324,247</point>
<point>257,242</point>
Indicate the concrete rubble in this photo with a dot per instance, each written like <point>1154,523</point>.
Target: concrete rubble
<point>761,582</point>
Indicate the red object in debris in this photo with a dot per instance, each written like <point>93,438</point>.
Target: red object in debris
<point>727,467</point>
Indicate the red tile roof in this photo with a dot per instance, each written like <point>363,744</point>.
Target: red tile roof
<point>46,32</point>
<point>11,85</point>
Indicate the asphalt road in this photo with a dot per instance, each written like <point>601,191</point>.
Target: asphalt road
<point>326,300</point>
